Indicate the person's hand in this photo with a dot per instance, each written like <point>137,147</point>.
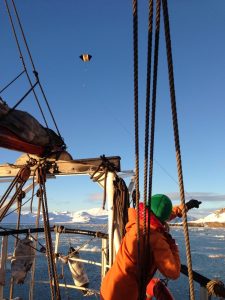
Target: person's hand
<point>193,203</point>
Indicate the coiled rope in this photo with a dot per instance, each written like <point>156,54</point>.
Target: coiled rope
<point>216,288</point>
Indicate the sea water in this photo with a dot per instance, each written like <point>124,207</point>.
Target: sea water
<point>207,249</point>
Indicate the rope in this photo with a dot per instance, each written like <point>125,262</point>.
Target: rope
<point>50,256</point>
<point>177,143</point>
<point>151,154</point>
<point>103,169</point>
<point>136,129</point>
<point>147,113</point>
<point>120,204</point>
<point>23,62</point>
<point>20,179</point>
<point>216,288</point>
<point>19,200</point>
<point>11,82</point>
<point>153,110</point>
<point>81,246</point>
<point>34,70</point>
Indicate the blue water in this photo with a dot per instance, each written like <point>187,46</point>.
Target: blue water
<point>208,259</point>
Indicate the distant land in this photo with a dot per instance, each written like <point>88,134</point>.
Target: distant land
<point>93,216</point>
<point>100,216</point>
<point>215,219</point>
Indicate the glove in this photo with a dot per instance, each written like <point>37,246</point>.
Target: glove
<point>193,204</point>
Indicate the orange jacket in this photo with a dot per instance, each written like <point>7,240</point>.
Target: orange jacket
<point>121,281</point>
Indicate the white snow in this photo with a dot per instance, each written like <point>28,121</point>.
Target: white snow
<point>94,215</point>
<point>217,216</point>
<point>98,216</point>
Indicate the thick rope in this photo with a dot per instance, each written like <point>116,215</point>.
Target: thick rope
<point>135,58</point>
<point>216,288</point>
<point>154,89</point>
<point>49,249</point>
<point>120,204</point>
<point>31,290</point>
<point>47,243</point>
<point>147,111</point>
<point>55,275</point>
<point>146,246</point>
<point>155,75</point>
<point>177,144</point>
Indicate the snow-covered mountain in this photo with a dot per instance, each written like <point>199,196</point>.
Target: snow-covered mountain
<point>100,216</point>
<point>94,215</point>
<point>215,219</point>
<point>217,216</point>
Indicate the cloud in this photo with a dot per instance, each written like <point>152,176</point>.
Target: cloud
<point>95,197</point>
<point>201,196</point>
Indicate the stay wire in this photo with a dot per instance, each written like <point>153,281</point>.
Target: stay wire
<point>11,82</point>
<point>34,69</point>
<point>23,61</point>
<point>21,206</point>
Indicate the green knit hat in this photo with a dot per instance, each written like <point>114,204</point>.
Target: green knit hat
<point>161,206</point>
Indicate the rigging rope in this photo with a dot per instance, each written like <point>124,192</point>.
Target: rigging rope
<point>31,290</point>
<point>154,89</point>
<point>23,62</point>
<point>136,129</point>
<point>2,90</point>
<point>19,201</point>
<point>177,143</point>
<point>54,284</point>
<point>151,154</point>
<point>34,69</point>
<point>20,179</point>
<point>147,112</point>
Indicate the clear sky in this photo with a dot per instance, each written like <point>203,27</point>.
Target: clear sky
<point>93,102</point>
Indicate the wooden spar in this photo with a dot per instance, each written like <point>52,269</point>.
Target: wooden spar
<point>72,167</point>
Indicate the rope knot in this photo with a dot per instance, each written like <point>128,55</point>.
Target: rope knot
<point>216,288</point>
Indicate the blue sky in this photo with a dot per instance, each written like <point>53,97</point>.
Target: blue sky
<point>93,102</point>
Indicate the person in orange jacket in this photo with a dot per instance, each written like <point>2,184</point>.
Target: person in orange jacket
<point>156,287</point>
<point>122,280</point>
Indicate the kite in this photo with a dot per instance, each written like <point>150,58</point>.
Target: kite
<point>85,57</point>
